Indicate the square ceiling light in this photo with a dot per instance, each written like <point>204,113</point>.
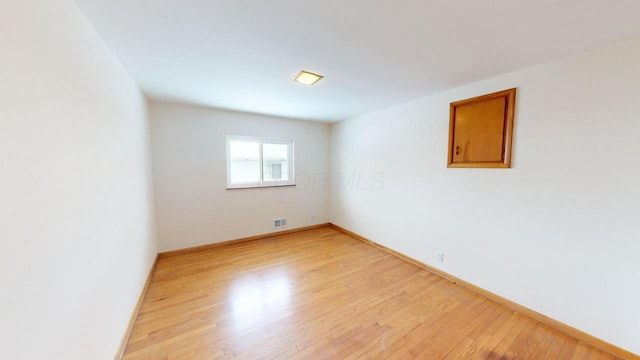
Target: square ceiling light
<point>307,78</point>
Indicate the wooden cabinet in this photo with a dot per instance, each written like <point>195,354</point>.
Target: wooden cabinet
<point>480,131</point>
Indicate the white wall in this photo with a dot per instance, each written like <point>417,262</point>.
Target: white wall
<point>75,192</point>
<point>190,176</point>
<point>558,233</point>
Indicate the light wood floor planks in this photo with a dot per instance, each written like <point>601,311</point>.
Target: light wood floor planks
<point>321,294</point>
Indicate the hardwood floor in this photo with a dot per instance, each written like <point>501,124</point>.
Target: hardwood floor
<point>321,294</point>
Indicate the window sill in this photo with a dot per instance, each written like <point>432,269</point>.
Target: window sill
<point>258,186</point>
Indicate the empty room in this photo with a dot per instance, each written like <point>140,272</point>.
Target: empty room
<point>218,179</point>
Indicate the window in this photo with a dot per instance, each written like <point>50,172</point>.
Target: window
<point>258,162</point>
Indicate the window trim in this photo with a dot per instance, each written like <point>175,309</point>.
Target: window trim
<point>262,183</point>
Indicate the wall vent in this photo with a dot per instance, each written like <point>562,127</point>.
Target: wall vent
<point>278,223</point>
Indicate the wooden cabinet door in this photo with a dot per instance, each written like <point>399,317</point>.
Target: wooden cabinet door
<point>480,131</point>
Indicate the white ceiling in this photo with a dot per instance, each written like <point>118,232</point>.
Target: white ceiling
<point>242,54</point>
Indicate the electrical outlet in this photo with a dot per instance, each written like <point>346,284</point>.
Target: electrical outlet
<point>313,218</point>
<point>440,256</point>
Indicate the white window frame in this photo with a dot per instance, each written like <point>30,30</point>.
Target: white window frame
<point>262,183</point>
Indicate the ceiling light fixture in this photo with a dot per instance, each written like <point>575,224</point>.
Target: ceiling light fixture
<point>307,78</point>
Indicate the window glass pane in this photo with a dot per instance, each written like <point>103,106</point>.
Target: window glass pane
<point>276,162</point>
<point>244,157</point>
<point>276,171</point>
